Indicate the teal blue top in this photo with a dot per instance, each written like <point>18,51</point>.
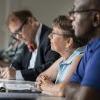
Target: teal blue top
<point>65,64</point>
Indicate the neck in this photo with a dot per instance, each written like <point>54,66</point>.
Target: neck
<point>34,31</point>
<point>66,54</point>
<point>35,28</point>
<point>97,32</point>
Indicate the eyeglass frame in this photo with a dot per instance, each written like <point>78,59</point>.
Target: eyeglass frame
<point>19,30</point>
<point>83,11</point>
<point>64,34</point>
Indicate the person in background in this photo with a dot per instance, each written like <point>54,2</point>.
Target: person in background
<point>37,55</point>
<point>70,48</point>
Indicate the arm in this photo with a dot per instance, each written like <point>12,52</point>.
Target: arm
<point>48,87</point>
<point>52,71</point>
<point>76,92</point>
<point>54,90</point>
<point>62,89</point>
<point>90,84</point>
<point>88,93</point>
<point>72,68</point>
<point>57,89</point>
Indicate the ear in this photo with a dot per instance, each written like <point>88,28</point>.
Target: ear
<point>69,42</point>
<point>96,19</point>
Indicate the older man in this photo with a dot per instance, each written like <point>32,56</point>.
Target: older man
<point>37,55</point>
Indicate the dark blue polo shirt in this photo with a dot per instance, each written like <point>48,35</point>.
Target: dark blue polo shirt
<point>88,70</point>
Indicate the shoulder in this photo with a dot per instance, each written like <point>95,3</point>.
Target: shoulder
<point>79,51</point>
<point>46,28</point>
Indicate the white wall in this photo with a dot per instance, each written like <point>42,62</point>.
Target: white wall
<point>44,10</point>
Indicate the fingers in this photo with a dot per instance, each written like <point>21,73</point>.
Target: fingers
<point>7,73</point>
<point>44,77</point>
<point>41,78</point>
<point>38,78</point>
<point>40,81</point>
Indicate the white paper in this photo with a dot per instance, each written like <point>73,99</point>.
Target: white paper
<point>18,86</point>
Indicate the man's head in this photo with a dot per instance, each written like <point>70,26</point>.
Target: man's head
<point>86,18</point>
<point>23,25</point>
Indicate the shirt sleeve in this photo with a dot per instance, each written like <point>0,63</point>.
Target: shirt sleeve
<point>92,71</point>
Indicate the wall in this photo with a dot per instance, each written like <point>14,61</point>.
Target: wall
<point>47,10</point>
<point>44,10</point>
<point>2,21</point>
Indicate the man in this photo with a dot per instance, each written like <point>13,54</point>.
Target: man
<point>86,23</point>
<point>37,55</point>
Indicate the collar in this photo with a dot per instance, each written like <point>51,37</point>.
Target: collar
<point>76,52</point>
<point>37,38</point>
<point>93,44</point>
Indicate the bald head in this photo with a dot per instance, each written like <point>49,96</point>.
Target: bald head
<point>87,4</point>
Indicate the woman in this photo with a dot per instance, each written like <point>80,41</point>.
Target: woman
<point>67,45</point>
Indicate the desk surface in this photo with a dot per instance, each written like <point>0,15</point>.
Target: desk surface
<point>29,96</point>
<point>23,96</point>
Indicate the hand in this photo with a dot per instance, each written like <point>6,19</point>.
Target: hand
<point>8,73</point>
<point>46,83</point>
<point>40,80</point>
<point>4,63</point>
<point>42,77</point>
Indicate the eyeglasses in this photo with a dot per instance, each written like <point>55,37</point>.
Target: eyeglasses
<point>83,11</point>
<point>53,33</point>
<point>19,30</point>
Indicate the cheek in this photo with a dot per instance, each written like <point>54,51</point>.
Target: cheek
<point>56,44</point>
<point>54,41</point>
<point>80,26</point>
<point>27,33</point>
<point>12,29</point>
<point>84,27</point>
<point>24,36</point>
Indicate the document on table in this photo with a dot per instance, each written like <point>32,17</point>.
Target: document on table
<point>15,85</point>
<point>20,86</point>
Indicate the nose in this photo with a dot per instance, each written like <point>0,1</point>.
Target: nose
<point>50,36</point>
<point>72,17</point>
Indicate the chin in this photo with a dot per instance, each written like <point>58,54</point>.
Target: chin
<point>52,49</point>
<point>77,34</point>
